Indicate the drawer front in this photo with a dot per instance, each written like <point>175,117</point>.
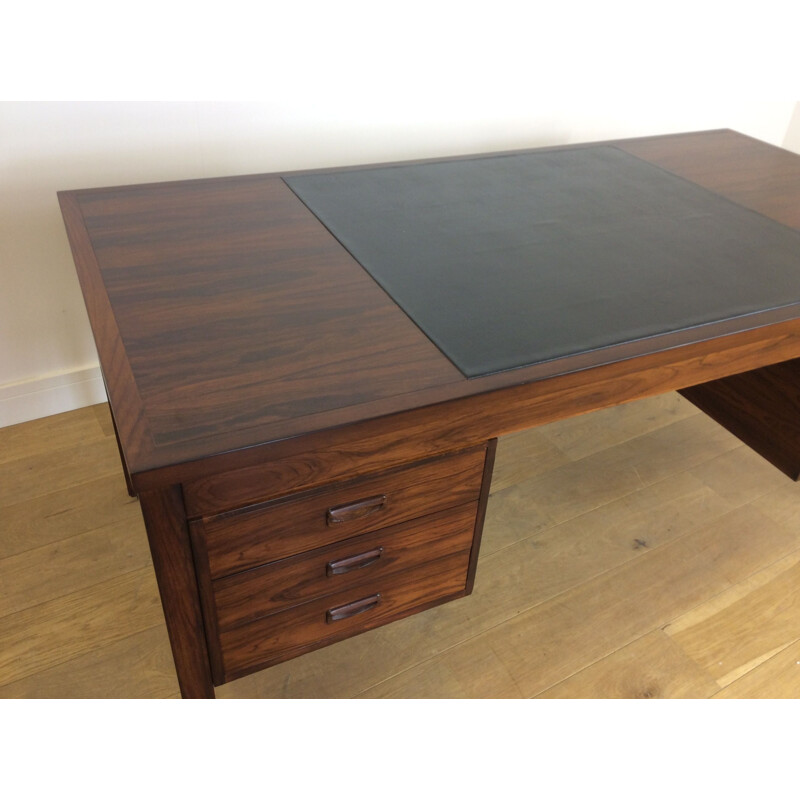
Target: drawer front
<point>238,541</point>
<point>282,636</point>
<point>258,592</point>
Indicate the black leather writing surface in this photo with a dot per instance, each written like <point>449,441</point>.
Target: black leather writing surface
<point>507,261</point>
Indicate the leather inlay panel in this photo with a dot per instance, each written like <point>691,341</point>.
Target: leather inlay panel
<point>507,261</point>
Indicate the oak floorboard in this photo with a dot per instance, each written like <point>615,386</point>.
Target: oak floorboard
<point>652,667</point>
<point>523,455</point>
<point>635,520</point>
<point>550,642</point>
<point>59,630</point>
<point>38,437</point>
<point>102,414</point>
<point>672,448</point>
<point>73,564</point>
<point>463,672</point>
<point>587,434</point>
<point>735,632</point>
<point>136,666</point>
<point>781,504</point>
<point>542,567</point>
<point>32,476</point>
<point>739,475</point>
<point>575,488</point>
<point>777,678</point>
<point>71,511</point>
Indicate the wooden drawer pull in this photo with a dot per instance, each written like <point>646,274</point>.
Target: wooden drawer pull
<point>357,510</point>
<point>351,609</point>
<point>353,562</point>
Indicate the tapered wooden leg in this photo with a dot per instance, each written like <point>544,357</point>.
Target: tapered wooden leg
<point>125,469</point>
<point>170,546</point>
<point>760,407</point>
<point>483,500</point>
<point>126,472</point>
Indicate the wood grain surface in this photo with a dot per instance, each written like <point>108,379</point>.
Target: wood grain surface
<point>761,407</point>
<point>173,562</point>
<point>258,592</point>
<point>288,634</point>
<point>298,523</point>
<point>220,307</point>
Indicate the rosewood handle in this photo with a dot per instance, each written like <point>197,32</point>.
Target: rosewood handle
<point>353,562</point>
<point>357,510</point>
<point>351,609</point>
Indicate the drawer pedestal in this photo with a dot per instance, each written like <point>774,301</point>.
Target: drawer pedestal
<point>288,575</point>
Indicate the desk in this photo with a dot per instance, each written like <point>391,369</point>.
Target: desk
<point>309,463</point>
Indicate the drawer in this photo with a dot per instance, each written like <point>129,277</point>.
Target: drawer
<point>250,537</point>
<point>249,595</point>
<point>318,623</point>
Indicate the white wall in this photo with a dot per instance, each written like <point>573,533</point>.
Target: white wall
<point>792,139</point>
<point>48,362</point>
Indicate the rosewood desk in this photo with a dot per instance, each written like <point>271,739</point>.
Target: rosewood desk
<point>307,373</point>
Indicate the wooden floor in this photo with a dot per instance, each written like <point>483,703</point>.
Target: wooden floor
<point>636,552</point>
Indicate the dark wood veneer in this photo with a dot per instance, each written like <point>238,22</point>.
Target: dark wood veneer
<point>279,637</point>
<point>258,592</point>
<point>262,533</point>
<point>369,446</point>
<point>167,318</point>
<point>762,408</point>
<point>480,516</point>
<point>170,547</point>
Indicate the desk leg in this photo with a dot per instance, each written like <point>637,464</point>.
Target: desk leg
<point>170,546</point>
<point>131,492</point>
<point>483,500</point>
<point>760,407</point>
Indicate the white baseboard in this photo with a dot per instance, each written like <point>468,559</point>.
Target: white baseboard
<point>52,394</point>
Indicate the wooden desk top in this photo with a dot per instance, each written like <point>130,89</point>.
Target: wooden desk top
<point>226,316</point>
